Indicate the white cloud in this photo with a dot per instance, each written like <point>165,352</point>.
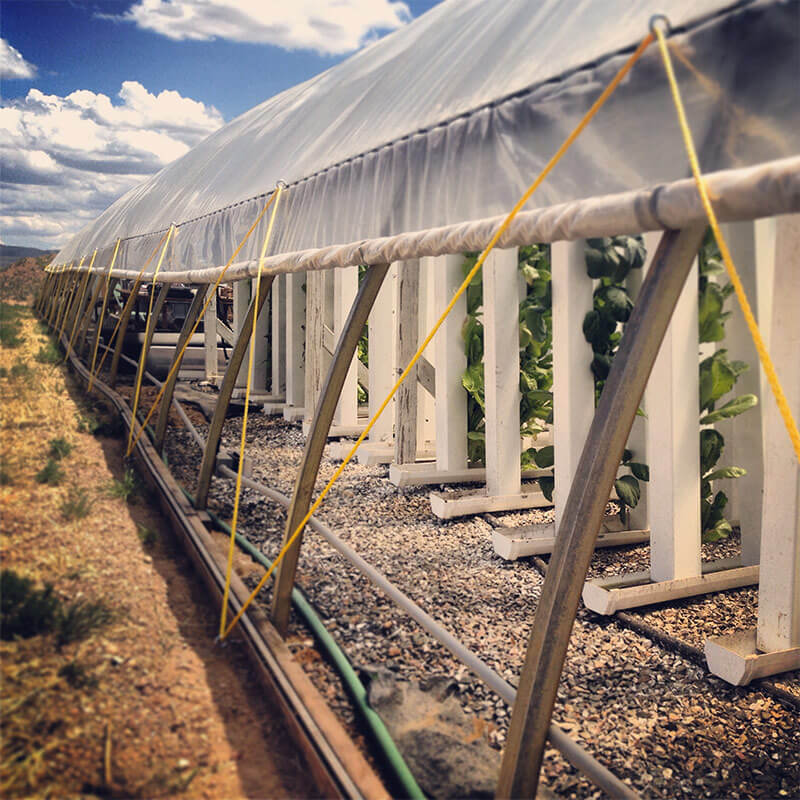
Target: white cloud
<point>12,64</point>
<point>330,27</point>
<point>66,159</point>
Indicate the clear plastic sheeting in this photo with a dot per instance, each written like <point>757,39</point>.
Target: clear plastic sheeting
<point>450,118</point>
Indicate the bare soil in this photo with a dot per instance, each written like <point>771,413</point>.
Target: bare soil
<point>146,705</point>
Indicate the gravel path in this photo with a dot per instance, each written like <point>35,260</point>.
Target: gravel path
<point>654,717</point>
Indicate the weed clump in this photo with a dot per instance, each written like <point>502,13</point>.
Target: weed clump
<point>60,448</point>
<point>27,611</point>
<point>126,489</point>
<point>77,505</point>
<point>48,354</point>
<point>147,536</point>
<point>51,473</point>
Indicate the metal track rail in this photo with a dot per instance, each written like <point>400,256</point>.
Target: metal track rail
<point>337,765</point>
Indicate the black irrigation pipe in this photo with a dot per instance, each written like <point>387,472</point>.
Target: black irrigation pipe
<point>675,645</point>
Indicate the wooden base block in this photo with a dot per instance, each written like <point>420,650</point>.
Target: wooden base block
<point>609,595</point>
<point>372,453</point>
<point>338,431</point>
<point>258,397</point>
<point>735,659</point>
<point>448,505</point>
<point>535,540</point>
<point>293,413</point>
<point>428,474</point>
<point>273,409</point>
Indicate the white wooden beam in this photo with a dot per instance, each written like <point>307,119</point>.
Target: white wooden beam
<point>779,588</point>
<point>573,384</point>
<point>345,288</point>
<point>241,301</point>
<point>210,336</point>
<point>407,333</point>
<point>262,344</point>
<point>295,339</point>
<point>451,361</point>
<point>672,433</point>
<point>382,356</point>
<point>501,372</point>
<point>278,337</point>
<point>314,366</point>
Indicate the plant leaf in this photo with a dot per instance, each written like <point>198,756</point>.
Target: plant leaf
<point>725,472</point>
<point>628,490</point>
<point>731,409</point>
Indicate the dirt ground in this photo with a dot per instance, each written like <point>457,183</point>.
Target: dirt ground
<point>143,704</point>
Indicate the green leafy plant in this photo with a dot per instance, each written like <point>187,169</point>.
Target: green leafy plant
<point>610,260</point>
<point>60,448</point>
<point>718,376</point>
<point>9,325</point>
<point>78,619</point>
<point>76,505</point>
<point>535,358</point>
<point>51,473</point>
<point>126,489</point>
<point>26,611</point>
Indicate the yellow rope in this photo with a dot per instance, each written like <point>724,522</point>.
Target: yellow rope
<point>176,363</point>
<point>143,354</point>
<point>130,301</point>
<point>766,361</point>
<point>596,106</point>
<point>102,314</point>
<point>251,356</point>
<point>80,305</point>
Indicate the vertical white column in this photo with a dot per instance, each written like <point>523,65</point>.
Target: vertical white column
<point>405,431</point>
<point>672,438</point>
<point>779,579</point>
<point>295,339</point>
<point>744,434</point>
<point>210,334</point>
<point>381,348</point>
<point>573,384</point>
<point>278,337</point>
<point>345,288</point>
<point>262,343</point>
<point>315,299</point>
<point>241,299</point>
<point>451,361</point>
<point>501,372</point>
<point>426,404</point>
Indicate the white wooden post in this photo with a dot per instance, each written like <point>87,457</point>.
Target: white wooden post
<point>210,336</point>
<point>501,372</point>
<point>345,288</point>
<point>314,366</point>
<point>278,337</point>
<point>407,331</point>
<point>744,434</point>
<point>262,344</point>
<point>779,583</point>
<point>426,404</point>
<point>241,300</point>
<point>295,344</point>
<point>451,361</point>
<point>672,434</point>
<point>382,352</point>
<point>573,384</point>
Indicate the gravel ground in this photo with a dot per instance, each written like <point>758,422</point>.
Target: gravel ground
<point>655,718</point>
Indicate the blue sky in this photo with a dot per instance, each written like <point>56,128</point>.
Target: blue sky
<point>98,95</point>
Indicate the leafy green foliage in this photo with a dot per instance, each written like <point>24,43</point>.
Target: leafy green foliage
<point>60,448</point>
<point>610,260</point>
<point>78,619</point>
<point>718,376</point>
<point>535,355</point>
<point>51,473</point>
<point>48,353</point>
<point>9,325</point>
<point>126,489</point>
<point>147,536</point>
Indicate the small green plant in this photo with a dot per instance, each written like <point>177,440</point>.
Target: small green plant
<point>6,478</point>
<point>86,423</point>
<point>51,473</point>
<point>79,619</point>
<point>147,536</point>
<point>26,611</point>
<point>21,371</point>
<point>77,504</point>
<point>48,353</point>
<point>9,325</point>
<point>60,448</point>
<point>126,489</point>
<point>3,372</point>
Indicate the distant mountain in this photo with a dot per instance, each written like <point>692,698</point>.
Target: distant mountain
<point>9,253</point>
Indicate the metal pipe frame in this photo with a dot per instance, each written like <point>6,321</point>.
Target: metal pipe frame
<point>107,292</point>
<point>317,438</point>
<point>81,338</point>
<point>172,377</point>
<point>125,317</point>
<point>583,514</point>
<point>226,392</point>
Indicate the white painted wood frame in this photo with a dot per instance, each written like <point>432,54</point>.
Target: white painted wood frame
<point>210,336</point>
<point>345,288</point>
<point>295,340</point>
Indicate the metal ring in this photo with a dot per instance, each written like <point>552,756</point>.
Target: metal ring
<point>656,18</point>
<point>281,185</point>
